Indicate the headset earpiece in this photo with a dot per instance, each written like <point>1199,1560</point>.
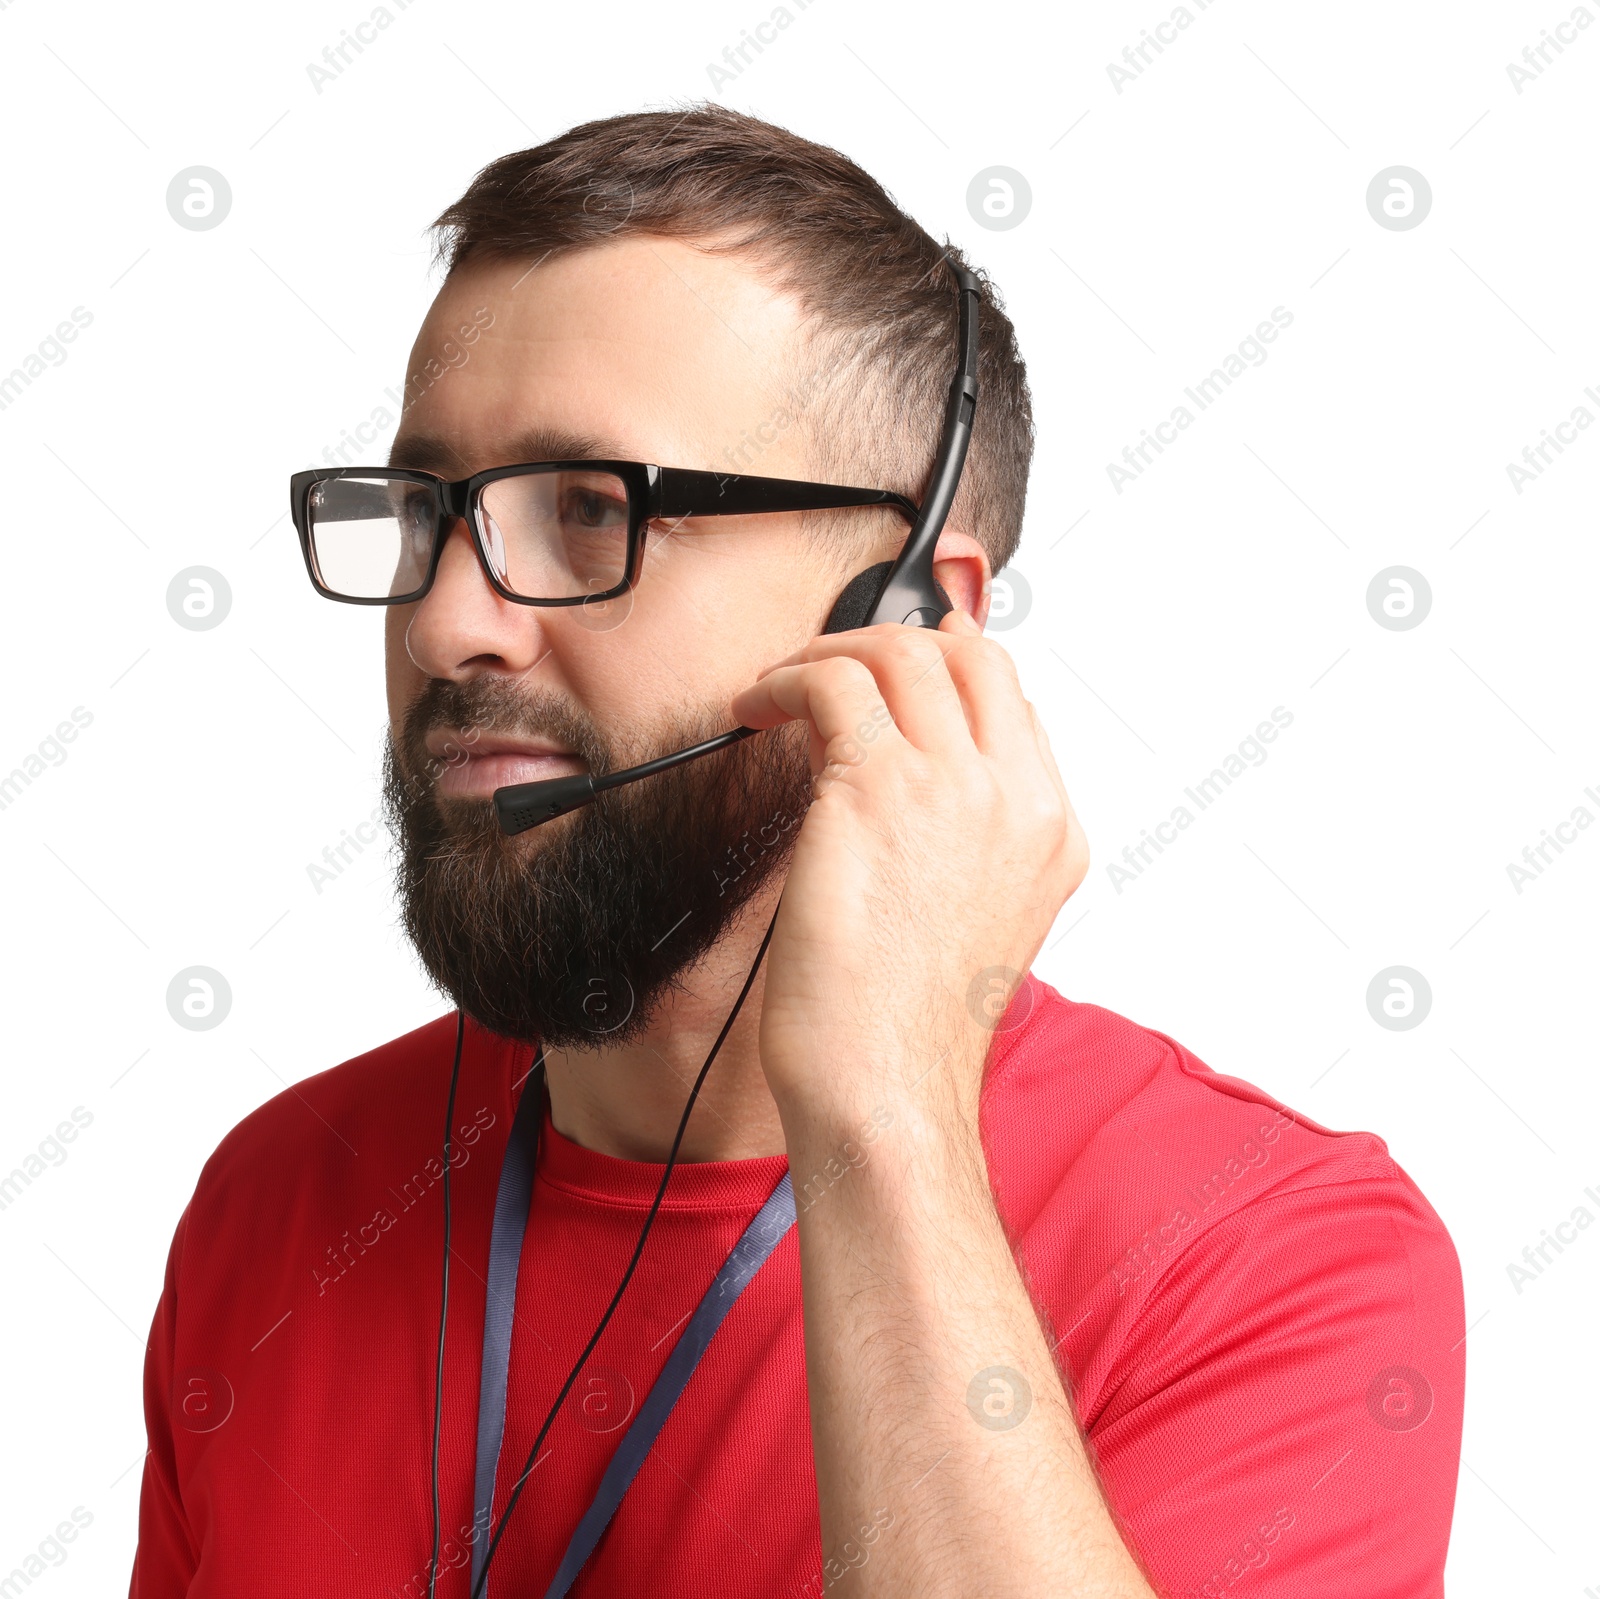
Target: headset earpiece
<point>859,598</point>
<point>856,600</point>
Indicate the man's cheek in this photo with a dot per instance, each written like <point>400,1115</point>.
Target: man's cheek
<point>402,679</point>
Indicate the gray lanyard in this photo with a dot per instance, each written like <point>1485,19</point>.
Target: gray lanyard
<point>511,1206</point>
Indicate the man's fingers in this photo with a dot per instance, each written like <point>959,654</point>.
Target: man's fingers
<point>908,664</point>
<point>986,679</point>
<point>838,696</point>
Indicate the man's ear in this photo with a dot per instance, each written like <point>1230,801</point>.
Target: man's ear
<point>961,568</point>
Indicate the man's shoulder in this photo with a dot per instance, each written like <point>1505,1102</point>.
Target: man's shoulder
<point>302,1190</point>
<point>1076,1088</point>
<point>1118,1148</point>
<point>331,1131</point>
<point>348,1100</point>
<point>1145,1190</point>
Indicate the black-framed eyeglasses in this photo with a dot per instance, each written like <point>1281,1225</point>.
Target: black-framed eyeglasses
<point>546,532</point>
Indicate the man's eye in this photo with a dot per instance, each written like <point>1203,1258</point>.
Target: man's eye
<point>416,515</point>
<point>588,508</point>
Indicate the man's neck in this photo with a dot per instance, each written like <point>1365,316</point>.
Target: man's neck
<point>627,1100</point>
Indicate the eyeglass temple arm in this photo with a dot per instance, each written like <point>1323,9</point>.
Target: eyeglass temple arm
<point>681,492</point>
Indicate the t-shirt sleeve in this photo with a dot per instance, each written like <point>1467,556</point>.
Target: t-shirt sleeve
<point>164,1564</point>
<point>1284,1421</point>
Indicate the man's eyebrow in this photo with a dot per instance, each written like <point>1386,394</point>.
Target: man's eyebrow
<point>424,452</point>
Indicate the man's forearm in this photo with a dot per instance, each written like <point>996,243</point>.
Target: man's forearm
<point>948,1458</point>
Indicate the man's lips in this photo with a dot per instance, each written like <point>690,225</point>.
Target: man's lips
<point>474,765</point>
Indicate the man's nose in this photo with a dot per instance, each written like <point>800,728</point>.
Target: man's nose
<point>462,628</point>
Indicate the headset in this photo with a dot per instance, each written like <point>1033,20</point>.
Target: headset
<point>905,591</point>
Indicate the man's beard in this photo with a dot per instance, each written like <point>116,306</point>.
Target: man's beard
<point>576,940</point>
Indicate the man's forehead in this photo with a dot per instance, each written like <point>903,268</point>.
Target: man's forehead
<point>644,348</point>
<point>597,289</point>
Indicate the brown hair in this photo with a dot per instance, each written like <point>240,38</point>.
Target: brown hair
<point>873,284</point>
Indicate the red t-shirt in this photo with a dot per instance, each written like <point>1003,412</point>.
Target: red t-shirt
<point>1261,1321</point>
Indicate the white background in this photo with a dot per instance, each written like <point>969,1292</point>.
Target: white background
<point>1167,220</point>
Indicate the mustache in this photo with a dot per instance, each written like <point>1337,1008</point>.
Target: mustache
<point>487,706</point>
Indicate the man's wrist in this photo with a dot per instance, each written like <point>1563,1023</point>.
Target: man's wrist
<point>914,1135</point>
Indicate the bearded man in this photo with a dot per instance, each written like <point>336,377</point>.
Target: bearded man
<point>756,1223</point>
